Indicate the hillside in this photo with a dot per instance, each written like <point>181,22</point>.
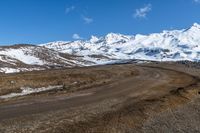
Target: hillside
<point>174,45</point>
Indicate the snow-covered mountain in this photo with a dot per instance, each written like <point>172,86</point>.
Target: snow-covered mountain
<point>166,46</point>
<point>171,45</point>
<point>18,58</point>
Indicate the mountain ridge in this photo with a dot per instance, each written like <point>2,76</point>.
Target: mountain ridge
<point>169,45</point>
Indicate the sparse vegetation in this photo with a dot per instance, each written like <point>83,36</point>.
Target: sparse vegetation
<point>72,79</point>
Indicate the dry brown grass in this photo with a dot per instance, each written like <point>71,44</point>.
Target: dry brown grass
<point>75,79</point>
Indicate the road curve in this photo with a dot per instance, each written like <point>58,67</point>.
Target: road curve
<point>135,86</point>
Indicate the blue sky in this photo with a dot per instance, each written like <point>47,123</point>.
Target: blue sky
<point>40,21</point>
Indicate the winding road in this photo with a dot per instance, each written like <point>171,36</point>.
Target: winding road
<point>150,83</point>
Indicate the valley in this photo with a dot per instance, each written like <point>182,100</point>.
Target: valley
<point>114,83</point>
<point>100,66</point>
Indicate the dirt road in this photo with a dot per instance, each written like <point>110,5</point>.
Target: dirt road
<point>120,106</point>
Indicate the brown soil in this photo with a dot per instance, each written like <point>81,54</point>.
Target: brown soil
<point>114,98</point>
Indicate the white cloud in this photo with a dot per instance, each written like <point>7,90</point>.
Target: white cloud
<point>76,36</point>
<point>142,12</point>
<point>196,1</point>
<point>87,20</point>
<point>69,9</point>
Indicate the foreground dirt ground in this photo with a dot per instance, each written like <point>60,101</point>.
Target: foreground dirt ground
<point>154,97</point>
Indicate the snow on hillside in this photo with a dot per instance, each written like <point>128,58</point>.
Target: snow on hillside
<point>24,55</point>
<point>19,58</point>
<point>171,45</point>
<point>166,46</point>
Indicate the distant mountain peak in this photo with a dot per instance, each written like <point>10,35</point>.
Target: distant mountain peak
<point>94,39</point>
<point>196,25</point>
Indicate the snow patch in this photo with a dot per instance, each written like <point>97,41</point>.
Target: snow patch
<point>17,70</point>
<point>23,55</point>
<point>28,90</point>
